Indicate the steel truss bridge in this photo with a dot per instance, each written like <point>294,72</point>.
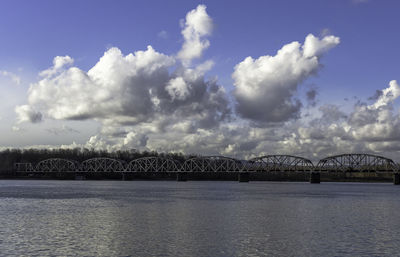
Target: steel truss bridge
<point>357,163</point>
<point>268,163</point>
<point>280,163</point>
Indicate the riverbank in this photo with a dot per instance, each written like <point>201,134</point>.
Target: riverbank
<point>198,176</point>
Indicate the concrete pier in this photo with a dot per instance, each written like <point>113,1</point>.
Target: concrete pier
<point>315,177</point>
<point>181,176</point>
<point>244,177</point>
<point>396,178</point>
<point>80,177</point>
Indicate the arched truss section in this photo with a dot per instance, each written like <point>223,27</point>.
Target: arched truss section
<point>57,165</point>
<point>280,163</point>
<point>356,163</point>
<point>213,164</point>
<point>103,165</point>
<point>153,164</point>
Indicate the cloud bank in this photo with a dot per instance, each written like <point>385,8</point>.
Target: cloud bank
<point>149,100</point>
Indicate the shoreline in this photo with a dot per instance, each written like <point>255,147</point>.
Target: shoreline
<point>202,176</point>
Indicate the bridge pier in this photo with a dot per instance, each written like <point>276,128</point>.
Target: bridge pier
<point>244,177</point>
<point>80,177</point>
<point>396,178</point>
<point>315,177</point>
<point>181,176</point>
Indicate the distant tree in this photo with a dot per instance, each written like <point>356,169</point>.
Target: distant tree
<point>9,157</point>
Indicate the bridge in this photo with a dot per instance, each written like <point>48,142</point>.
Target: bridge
<point>356,163</point>
<point>203,164</point>
<point>267,163</point>
<point>281,163</point>
<point>215,164</point>
<point>344,167</point>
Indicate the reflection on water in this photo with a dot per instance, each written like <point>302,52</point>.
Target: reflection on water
<point>142,218</point>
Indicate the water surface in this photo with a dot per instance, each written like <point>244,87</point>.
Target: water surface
<point>168,218</point>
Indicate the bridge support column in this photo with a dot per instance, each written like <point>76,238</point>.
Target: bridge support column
<point>181,176</point>
<point>244,177</point>
<point>123,176</point>
<point>315,177</point>
<point>80,176</point>
<point>396,178</point>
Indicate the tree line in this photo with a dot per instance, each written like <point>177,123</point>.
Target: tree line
<point>10,156</point>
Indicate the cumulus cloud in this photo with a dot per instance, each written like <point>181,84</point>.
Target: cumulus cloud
<point>264,87</point>
<point>378,121</point>
<point>128,89</point>
<point>148,100</point>
<point>196,26</point>
<point>59,62</point>
<point>330,131</point>
<point>25,113</point>
<point>388,95</point>
<point>366,128</point>
<point>134,139</point>
<point>133,95</point>
<point>177,88</point>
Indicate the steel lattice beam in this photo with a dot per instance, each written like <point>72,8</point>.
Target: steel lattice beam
<point>213,164</point>
<point>357,163</point>
<point>280,163</point>
<point>102,165</point>
<point>57,165</point>
<point>153,164</point>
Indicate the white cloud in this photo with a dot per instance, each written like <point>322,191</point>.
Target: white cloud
<point>25,113</point>
<point>145,92</point>
<point>388,94</point>
<point>330,131</point>
<point>315,47</point>
<point>135,140</point>
<point>196,26</point>
<point>147,100</point>
<point>163,34</point>
<point>117,86</point>
<point>264,87</point>
<point>177,88</point>
<point>130,89</point>
<point>59,62</point>
<point>15,78</point>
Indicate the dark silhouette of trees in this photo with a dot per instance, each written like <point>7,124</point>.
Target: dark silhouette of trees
<point>10,156</point>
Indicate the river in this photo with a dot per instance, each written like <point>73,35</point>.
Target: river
<point>208,218</point>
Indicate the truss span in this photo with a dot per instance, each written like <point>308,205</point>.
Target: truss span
<point>23,167</point>
<point>102,165</point>
<point>153,164</point>
<point>213,164</point>
<point>356,163</point>
<point>57,165</point>
<point>280,163</point>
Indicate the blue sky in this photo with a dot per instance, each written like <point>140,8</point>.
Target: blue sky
<point>365,60</point>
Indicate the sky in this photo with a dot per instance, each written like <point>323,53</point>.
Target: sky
<point>233,78</point>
